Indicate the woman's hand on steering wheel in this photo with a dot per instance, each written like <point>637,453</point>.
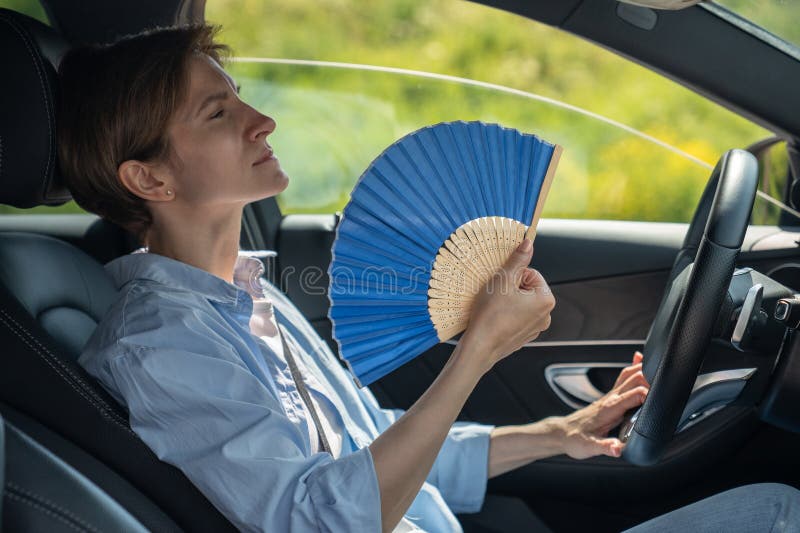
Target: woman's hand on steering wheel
<point>585,432</point>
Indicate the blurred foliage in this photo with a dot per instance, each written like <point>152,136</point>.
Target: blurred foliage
<point>332,122</point>
<point>32,8</point>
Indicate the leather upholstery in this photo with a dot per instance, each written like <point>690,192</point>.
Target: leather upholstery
<point>43,493</point>
<point>28,169</point>
<point>65,290</point>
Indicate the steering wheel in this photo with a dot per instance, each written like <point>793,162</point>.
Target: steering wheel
<point>698,282</point>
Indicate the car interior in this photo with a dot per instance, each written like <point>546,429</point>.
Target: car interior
<point>71,461</point>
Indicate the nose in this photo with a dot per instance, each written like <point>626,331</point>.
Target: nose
<point>260,125</point>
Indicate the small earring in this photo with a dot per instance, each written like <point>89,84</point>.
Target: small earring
<point>169,192</point>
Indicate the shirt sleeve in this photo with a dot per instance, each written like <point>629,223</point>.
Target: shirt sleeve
<point>213,419</point>
<point>461,469</point>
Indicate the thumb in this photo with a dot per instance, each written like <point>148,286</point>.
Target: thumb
<point>609,446</point>
<point>520,258</point>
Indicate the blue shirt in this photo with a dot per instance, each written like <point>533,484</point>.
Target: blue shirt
<point>176,349</point>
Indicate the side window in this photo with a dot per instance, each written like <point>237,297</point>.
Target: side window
<point>333,121</point>
<point>32,8</point>
<point>773,186</point>
<point>68,208</point>
<point>637,146</point>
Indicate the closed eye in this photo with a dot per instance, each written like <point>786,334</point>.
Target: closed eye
<point>218,114</point>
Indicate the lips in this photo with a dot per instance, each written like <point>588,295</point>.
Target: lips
<point>268,155</point>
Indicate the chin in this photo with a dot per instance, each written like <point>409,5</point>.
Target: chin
<point>282,181</point>
<point>278,185</point>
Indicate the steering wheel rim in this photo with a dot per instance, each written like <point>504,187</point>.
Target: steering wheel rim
<point>697,285</point>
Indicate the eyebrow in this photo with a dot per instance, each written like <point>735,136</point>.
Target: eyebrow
<point>211,98</point>
<point>221,95</point>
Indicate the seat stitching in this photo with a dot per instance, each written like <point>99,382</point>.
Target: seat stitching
<point>37,506</point>
<point>110,415</point>
<point>44,501</point>
<point>36,341</point>
<point>88,395</point>
<point>36,62</point>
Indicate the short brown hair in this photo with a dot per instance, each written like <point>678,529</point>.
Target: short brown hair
<point>116,103</point>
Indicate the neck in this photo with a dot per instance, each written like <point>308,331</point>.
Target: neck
<point>199,238</point>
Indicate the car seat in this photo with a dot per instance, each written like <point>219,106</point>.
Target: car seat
<point>42,493</point>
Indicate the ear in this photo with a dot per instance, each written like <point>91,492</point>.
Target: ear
<point>140,179</point>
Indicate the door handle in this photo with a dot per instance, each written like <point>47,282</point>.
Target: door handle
<point>571,383</point>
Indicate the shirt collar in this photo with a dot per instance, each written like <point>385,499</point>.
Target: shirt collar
<point>176,274</point>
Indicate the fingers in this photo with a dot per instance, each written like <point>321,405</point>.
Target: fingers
<point>627,372</point>
<point>528,279</point>
<point>609,446</point>
<point>632,398</point>
<point>635,366</point>
<point>635,379</point>
<point>532,279</point>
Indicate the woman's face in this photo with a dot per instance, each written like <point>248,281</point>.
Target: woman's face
<point>220,153</point>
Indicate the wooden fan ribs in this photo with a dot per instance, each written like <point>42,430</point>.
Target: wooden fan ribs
<point>454,278</point>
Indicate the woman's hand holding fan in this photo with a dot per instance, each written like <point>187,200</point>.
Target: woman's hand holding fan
<point>511,310</point>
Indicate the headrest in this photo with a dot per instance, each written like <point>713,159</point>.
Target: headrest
<point>29,173</point>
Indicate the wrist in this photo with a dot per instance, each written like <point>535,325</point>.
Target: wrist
<point>515,446</point>
<point>550,433</point>
<point>475,352</point>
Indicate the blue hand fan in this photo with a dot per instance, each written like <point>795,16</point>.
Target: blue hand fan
<point>427,225</point>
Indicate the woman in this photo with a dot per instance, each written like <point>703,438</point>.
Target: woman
<point>154,137</point>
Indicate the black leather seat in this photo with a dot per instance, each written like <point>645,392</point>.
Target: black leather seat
<point>66,291</point>
<point>51,297</point>
<point>42,493</point>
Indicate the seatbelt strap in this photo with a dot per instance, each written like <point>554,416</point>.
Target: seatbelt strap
<point>301,388</point>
